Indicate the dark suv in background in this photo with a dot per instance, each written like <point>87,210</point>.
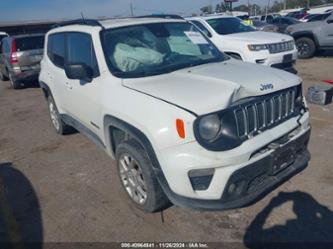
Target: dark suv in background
<point>20,58</point>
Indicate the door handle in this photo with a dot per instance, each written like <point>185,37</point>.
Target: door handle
<point>69,86</point>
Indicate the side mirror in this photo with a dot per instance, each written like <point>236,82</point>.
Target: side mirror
<point>79,72</point>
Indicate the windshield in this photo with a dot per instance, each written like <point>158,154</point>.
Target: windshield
<point>226,26</point>
<point>156,48</point>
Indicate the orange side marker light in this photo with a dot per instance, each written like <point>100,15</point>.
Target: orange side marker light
<point>180,128</point>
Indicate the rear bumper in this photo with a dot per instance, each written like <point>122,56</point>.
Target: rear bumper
<point>252,182</point>
<point>26,75</point>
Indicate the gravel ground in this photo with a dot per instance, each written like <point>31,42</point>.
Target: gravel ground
<point>65,189</point>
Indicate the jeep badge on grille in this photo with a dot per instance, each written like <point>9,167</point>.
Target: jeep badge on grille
<point>264,87</point>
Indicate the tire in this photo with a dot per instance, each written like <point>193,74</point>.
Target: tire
<point>13,82</point>
<point>137,177</point>
<point>306,47</point>
<point>59,125</point>
<point>3,77</point>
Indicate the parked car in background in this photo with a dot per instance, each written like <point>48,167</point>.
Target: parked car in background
<point>312,36</point>
<point>306,18</point>
<point>245,43</point>
<point>20,57</point>
<point>184,122</point>
<point>2,35</point>
<point>267,18</point>
<point>298,14</point>
<point>283,22</point>
<point>319,17</point>
<point>264,26</point>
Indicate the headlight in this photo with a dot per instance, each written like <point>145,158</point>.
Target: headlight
<point>217,132</point>
<point>209,127</point>
<point>258,47</point>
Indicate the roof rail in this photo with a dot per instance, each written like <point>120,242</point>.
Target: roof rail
<point>88,22</point>
<point>165,16</point>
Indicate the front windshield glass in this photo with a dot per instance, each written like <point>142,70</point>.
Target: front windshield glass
<point>156,48</point>
<point>229,25</point>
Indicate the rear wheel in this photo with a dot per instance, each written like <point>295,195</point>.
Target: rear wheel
<point>138,179</point>
<point>3,77</point>
<point>59,125</point>
<point>13,82</point>
<point>306,47</point>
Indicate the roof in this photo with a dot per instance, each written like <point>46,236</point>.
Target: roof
<point>210,17</point>
<point>90,25</point>
<point>28,35</point>
<point>115,23</point>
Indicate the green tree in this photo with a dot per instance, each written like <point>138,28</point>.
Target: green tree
<point>207,9</point>
<point>242,7</point>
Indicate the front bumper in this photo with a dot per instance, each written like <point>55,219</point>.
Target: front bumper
<point>283,60</point>
<point>253,181</point>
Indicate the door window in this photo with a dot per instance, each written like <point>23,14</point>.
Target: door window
<point>80,50</point>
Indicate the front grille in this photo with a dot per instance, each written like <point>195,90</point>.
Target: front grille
<point>281,47</point>
<point>252,118</point>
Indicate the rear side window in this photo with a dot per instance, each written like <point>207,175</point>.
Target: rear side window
<point>80,50</point>
<point>29,43</point>
<point>56,49</point>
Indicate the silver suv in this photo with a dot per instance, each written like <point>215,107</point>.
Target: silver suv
<point>20,58</point>
<point>312,36</point>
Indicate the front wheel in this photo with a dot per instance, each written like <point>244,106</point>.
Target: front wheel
<point>306,47</point>
<point>138,179</point>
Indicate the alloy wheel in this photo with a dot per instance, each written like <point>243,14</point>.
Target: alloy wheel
<point>54,115</point>
<point>132,178</point>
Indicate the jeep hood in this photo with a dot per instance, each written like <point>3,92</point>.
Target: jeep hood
<point>258,37</point>
<point>214,86</point>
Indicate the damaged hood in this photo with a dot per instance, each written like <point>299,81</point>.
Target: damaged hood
<point>215,86</point>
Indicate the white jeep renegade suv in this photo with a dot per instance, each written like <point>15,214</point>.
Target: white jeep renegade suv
<point>185,122</point>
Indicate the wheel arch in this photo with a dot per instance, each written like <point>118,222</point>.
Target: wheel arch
<point>307,34</point>
<point>235,53</point>
<point>45,88</point>
<point>112,125</point>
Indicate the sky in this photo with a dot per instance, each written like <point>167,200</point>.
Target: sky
<point>22,10</point>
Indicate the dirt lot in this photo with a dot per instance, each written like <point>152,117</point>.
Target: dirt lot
<point>66,189</point>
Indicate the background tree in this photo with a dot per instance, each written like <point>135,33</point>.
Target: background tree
<point>207,9</point>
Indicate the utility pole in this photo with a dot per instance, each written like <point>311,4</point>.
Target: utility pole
<point>285,4</point>
<point>248,8</point>
<point>132,11</point>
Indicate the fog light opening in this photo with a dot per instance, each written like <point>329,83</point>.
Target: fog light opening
<point>201,179</point>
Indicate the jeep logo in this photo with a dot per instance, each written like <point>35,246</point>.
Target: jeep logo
<point>264,87</point>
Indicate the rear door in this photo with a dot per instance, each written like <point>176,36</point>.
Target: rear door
<point>29,51</point>
<point>55,72</point>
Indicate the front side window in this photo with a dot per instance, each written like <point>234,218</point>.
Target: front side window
<point>56,49</point>
<point>157,48</point>
<point>80,50</point>
<point>232,25</point>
